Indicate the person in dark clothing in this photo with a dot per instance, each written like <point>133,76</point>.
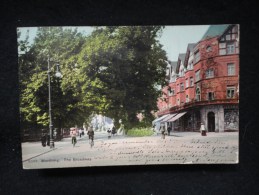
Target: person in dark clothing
<point>162,128</point>
<point>109,133</point>
<point>43,139</point>
<point>169,129</point>
<point>113,131</point>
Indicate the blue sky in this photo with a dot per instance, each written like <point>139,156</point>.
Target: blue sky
<point>174,38</point>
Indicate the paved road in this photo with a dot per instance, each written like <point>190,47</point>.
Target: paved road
<point>181,147</point>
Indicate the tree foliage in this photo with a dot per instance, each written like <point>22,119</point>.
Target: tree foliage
<point>112,72</point>
<point>60,45</point>
<point>120,67</point>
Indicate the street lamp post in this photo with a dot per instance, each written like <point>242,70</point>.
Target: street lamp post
<point>58,74</point>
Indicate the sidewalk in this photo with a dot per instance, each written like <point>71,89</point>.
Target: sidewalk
<point>34,149</point>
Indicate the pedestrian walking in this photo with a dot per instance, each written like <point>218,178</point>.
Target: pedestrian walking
<point>113,131</point>
<point>73,135</point>
<point>90,134</point>
<point>43,138</point>
<point>80,132</point>
<point>203,130</point>
<point>169,129</point>
<point>162,128</point>
<point>109,133</point>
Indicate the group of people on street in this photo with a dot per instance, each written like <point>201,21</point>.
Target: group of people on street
<point>74,132</point>
<point>163,131</point>
<point>111,132</point>
<point>45,139</point>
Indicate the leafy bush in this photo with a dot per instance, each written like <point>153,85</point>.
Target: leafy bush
<point>140,132</point>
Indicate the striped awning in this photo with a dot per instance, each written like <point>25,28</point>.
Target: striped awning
<point>168,117</point>
<point>159,119</point>
<point>177,117</point>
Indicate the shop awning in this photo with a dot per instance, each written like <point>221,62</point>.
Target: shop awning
<point>159,119</point>
<point>177,117</point>
<point>168,117</point>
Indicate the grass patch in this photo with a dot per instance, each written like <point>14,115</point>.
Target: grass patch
<point>140,132</point>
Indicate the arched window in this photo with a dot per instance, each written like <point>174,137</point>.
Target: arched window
<point>208,49</point>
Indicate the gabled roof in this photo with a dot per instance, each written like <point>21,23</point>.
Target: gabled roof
<point>181,58</point>
<point>173,64</point>
<point>191,46</point>
<point>229,27</point>
<point>215,30</point>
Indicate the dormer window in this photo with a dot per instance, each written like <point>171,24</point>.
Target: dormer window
<point>181,72</point>
<point>230,48</point>
<point>227,48</point>
<point>191,65</point>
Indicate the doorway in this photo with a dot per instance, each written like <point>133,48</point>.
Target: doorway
<point>211,122</point>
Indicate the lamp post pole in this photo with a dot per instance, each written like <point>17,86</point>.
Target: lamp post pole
<point>50,117</point>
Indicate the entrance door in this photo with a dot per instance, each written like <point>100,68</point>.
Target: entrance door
<point>211,122</point>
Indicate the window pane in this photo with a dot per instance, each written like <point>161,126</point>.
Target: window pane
<point>222,52</point>
<point>230,48</point>
<point>197,56</point>
<point>230,92</point>
<point>222,45</point>
<point>191,81</point>
<point>227,37</point>
<point>182,86</point>
<point>209,73</point>
<point>197,75</point>
<point>231,69</point>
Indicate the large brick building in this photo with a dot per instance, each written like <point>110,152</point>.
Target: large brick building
<point>203,85</point>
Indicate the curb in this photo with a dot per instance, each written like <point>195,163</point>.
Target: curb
<point>40,154</point>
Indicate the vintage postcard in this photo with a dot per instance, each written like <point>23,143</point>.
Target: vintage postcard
<point>128,95</point>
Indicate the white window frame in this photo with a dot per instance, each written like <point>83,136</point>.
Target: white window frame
<point>212,96</point>
<point>186,83</point>
<point>198,95</point>
<point>181,86</point>
<point>191,81</point>
<point>197,56</point>
<point>231,69</point>
<point>209,73</point>
<point>187,99</point>
<point>230,48</point>
<point>173,92</point>
<point>230,92</point>
<point>208,48</point>
<point>197,75</point>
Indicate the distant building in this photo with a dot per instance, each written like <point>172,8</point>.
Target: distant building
<point>203,85</point>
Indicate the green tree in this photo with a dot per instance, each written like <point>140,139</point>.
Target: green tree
<point>61,44</point>
<point>119,69</point>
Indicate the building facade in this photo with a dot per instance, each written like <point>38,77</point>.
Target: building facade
<point>203,85</point>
